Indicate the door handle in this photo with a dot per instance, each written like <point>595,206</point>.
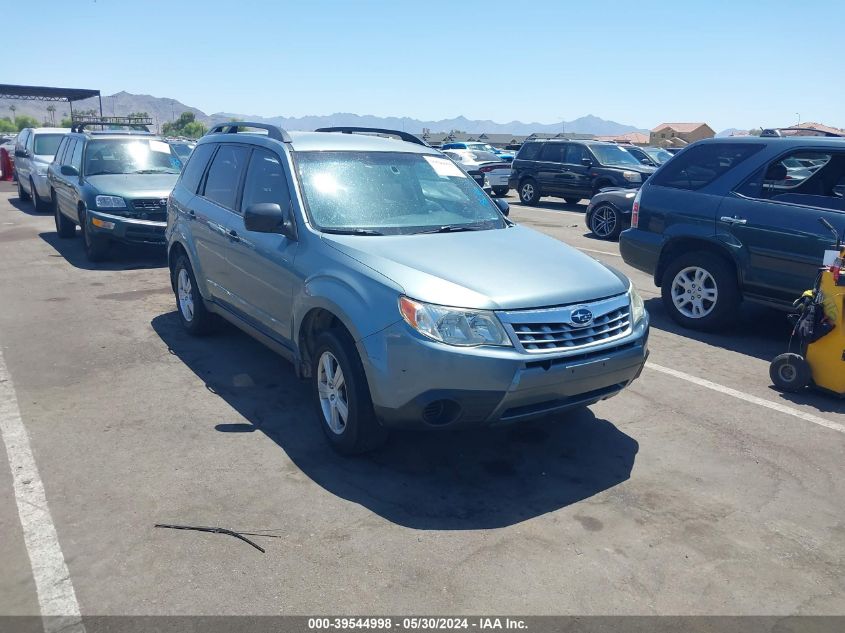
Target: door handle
<point>192,215</point>
<point>733,220</point>
<point>233,235</point>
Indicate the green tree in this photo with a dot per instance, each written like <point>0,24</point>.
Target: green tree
<point>23,121</point>
<point>185,125</point>
<point>6,125</point>
<point>66,122</point>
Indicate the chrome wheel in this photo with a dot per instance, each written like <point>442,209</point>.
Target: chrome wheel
<point>694,292</point>
<point>184,292</point>
<point>332,391</point>
<point>527,192</point>
<point>603,221</point>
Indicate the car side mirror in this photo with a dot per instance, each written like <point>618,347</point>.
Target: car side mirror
<point>21,153</point>
<point>645,161</point>
<point>587,162</point>
<point>69,170</point>
<point>503,205</point>
<point>269,217</point>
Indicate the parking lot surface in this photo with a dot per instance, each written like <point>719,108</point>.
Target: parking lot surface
<point>686,494</point>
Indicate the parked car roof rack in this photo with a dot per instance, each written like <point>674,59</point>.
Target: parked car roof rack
<point>80,121</point>
<point>347,129</point>
<point>273,131</point>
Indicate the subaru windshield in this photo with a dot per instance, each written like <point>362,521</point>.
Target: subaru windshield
<point>392,193</point>
<point>614,155</point>
<point>130,156</point>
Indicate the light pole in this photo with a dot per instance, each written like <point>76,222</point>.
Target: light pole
<point>13,108</point>
<point>799,118</point>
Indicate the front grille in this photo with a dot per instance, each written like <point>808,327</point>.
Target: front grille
<point>553,329</point>
<point>150,209</point>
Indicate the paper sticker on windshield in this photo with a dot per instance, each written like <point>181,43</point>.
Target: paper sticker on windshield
<point>444,167</point>
<point>159,146</point>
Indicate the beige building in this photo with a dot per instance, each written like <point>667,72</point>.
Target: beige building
<point>679,134</point>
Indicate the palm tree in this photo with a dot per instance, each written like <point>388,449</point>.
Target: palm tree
<point>51,109</point>
<point>13,108</point>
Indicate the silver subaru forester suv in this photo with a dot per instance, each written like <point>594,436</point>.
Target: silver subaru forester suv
<point>394,283</point>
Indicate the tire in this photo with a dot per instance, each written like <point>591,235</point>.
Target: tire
<point>39,204</point>
<point>571,200</point>
<point>195,317</point>
<point>699,290</point>
<point>22,195</point>
<point>529,192</point>
<point>359,431</point>
<point>501,191</point>
<point>64,226</point>
<point>790,372</point>
<point>605,222</point>
<point>96,246</point>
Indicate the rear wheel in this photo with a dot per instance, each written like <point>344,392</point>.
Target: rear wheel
<point>571,199</point>
<point>22,195</point>
<point>342,395</point>
<point>606,222</point>
<point>96,246</point>
<point>501,191</point>
<point>790,372</point>
<point>195,318</point>
<point>700,290</point>
<point>64,227</point>
<point>40,205</point>
<point>529,192</point>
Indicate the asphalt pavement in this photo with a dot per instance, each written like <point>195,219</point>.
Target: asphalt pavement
<point>686,494</point>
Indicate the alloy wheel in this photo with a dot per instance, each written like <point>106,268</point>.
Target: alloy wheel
<point>331,386</point>
<point>694,292</point>
<point>186,298</point>
<point>603,221</point>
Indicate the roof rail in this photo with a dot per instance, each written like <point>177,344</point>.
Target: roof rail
<point>273,131</point>
<point>79,121</point>
<point>348,129</point>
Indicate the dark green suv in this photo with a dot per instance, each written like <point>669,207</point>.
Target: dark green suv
<point>114,185</point>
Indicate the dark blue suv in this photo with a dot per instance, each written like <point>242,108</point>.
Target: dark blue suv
<point>733,219</point>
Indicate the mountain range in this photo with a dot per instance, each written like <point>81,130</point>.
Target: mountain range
<point>164,109</point>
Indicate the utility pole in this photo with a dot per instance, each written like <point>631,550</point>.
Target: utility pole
<point>13,107</point>
<point>799,118</point>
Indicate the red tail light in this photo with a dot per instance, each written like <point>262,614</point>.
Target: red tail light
<point>488,168</point>
<point>635,211</point>
<point>836,269</point>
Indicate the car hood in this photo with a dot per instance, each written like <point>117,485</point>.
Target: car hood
<point>134,185</point>
<point>505,269</point>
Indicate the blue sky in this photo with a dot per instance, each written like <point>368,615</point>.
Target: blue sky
<point>732,64</point>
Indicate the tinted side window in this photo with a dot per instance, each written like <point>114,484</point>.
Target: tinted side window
<point>192,174</point>
<point>574,154</point>
<point>69,151</point>
<point>23,137</point>
<point>529,151</point>
<point>76,159</point>
<point>553,152</point>
<point>60,150</point>
<point>265,180</point>
<point>698,166</point>
<point>224,175</point>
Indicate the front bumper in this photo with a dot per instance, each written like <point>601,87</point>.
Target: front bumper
<point>125,229</point>
<point>418,383</point>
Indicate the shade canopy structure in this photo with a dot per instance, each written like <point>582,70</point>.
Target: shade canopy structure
<point>46,93</point>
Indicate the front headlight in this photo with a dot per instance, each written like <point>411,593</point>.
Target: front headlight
<point>632,176</point>
<point>637,305</point>
<point>453,326</point>
<point>110,202</point>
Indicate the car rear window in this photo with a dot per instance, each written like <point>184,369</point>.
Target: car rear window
<point>698,166</point>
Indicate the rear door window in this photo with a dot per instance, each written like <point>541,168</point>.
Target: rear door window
<point>698,166</point>
<point>224,175</point>
<point>553,152</point>
<point>192,174</point>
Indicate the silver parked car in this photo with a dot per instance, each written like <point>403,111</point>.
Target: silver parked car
<point>35,149</point>
<point>394,283</point>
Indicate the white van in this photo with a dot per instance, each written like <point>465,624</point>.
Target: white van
<point>34,151</point>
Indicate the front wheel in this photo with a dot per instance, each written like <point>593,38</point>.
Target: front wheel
<point>700,291</point>
<point>606,222</point>
<point>529,192</point>
<point>790,372</point>
<point>96,246</point>
<point>22,195</point>
<point>64,227</point>
<point>501,192</point>
<point>40,205</point>
<point>342,395</point>
<point>571,200</point>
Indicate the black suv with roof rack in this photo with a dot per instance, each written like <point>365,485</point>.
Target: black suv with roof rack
<point>573,170</point>
<point>114,184</point>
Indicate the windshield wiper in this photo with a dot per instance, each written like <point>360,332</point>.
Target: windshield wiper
<point>155,171</point>
<point>352,231</point>
<point>453,228</point>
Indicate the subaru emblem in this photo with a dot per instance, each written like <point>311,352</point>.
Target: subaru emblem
<point>581,317</point>
<point>162,202</point>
